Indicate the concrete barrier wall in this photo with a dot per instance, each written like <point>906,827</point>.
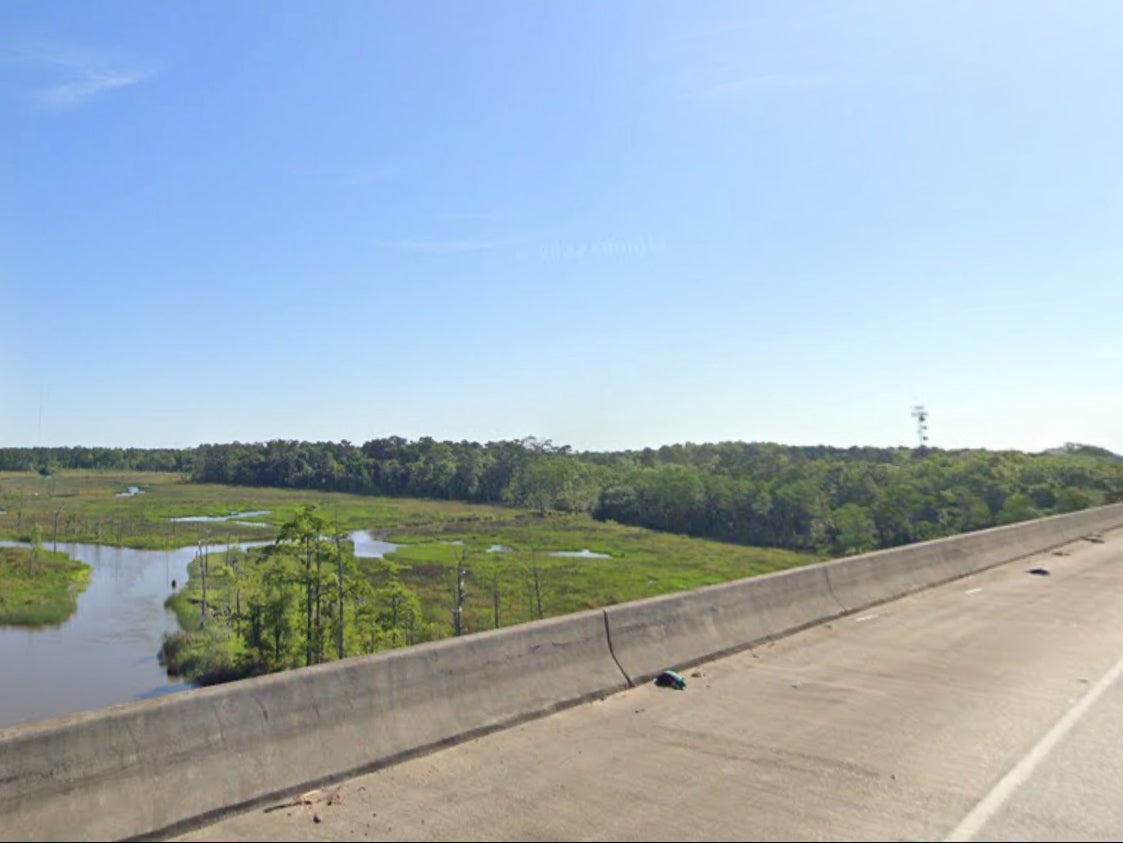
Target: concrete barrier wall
<point>862,581</point>
<point>134,769</point>
<point>677,630</point>
<point>140,769</point>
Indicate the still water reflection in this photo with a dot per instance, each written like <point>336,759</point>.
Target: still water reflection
<point>106,652</point>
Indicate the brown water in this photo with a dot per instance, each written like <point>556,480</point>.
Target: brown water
<point>105,653</point>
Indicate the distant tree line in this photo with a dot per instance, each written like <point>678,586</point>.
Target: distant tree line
<point>104,459</point>
<point>845,500</point>
<point>834,500</point>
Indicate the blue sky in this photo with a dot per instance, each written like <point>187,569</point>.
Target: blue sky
<point>609,225</point>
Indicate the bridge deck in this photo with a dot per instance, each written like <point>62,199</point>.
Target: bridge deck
<point>892,724</point>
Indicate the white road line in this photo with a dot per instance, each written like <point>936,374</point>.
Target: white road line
<point>972,590</point>
<point>990,804</point>
<point>867,617</point>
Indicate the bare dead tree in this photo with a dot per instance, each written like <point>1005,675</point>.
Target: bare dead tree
<point>338,590</point>
<point>458,594</point>
<point>54,538</point>
<point>202,557</point>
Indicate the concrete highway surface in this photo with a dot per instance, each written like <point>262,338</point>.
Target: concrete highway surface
<point>989,708</point>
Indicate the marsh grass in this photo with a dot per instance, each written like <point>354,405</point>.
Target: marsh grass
<point>642,563</point>
<point>82,506</point>
<point>39,591</point>
<point>440,537</point>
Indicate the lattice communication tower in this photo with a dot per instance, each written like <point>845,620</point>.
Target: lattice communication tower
<point>921,416</point>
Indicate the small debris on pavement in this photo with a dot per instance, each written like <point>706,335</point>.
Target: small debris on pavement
<point>670,679</point>
<point>328,797</point>
<point>1095,538</point>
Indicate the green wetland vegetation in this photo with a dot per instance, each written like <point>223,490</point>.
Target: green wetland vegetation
<point>266,609</point>
<point>256,616</point>
<point>39,587</point>
<point>83,506</point>
<point>480,526</point>
<point>823,499</point>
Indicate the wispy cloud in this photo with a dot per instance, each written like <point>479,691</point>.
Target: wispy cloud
<point>631,247</point>
<point>64,77</point>
<point>90,85</point>
<point>439,247</point>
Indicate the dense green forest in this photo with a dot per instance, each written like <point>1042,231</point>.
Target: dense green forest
<point>834,500</point>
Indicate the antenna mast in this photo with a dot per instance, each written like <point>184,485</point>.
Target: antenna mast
<point>921,416</point>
